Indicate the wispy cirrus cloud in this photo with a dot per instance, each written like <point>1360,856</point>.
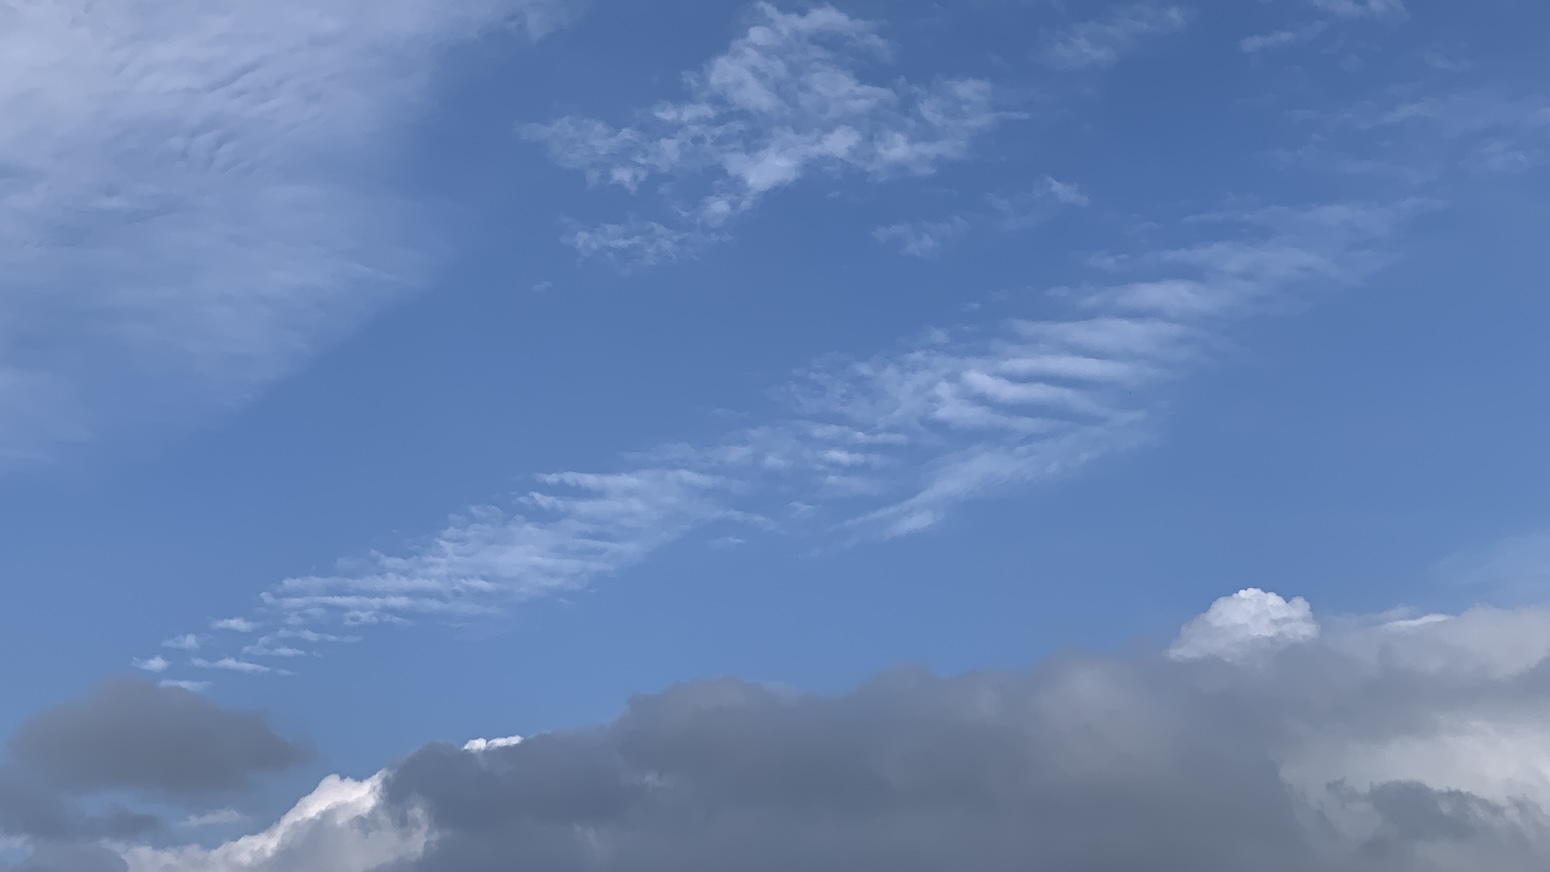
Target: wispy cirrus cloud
<point>1363,8</point>
<point>191,198</point>
<point>1282,38</point>
<point>1103,42</point>
<point>786,99</point>
<point>879,446</point>
<point>1016,211</point>
<point>1426,133</point>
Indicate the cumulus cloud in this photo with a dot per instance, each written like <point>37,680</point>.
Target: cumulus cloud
<point>786,99</point>
<point>129,734</point>
<point>1248,621</point>
<point>1374,745</point>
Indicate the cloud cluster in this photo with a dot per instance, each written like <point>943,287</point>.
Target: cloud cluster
<point>786,99</point>
<point>191,201</point>
<point>1306,745</point>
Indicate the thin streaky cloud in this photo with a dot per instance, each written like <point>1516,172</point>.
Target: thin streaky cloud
<point>1104,42</point>
<point>1004,213</point>
<point>882,446</point>
<point>784,100</point>
<point>1282,38</point>
<point>1364,8</point>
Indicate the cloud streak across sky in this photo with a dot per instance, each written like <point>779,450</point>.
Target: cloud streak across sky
<point>874,447</point>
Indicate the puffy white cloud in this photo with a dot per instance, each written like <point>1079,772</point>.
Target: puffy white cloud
<point>1249,621</point>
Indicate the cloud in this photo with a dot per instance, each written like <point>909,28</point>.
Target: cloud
<point>194,197</point>
<point>638,243</point>
<point>1281,38</point>
<point>342,826</point>
<point>1517,566</point>
<point>1240,625</point>
<point>881,446</point>
<point>1102,43</point>
<point>785,100</point>
<point>128,734</point>
<point>1429,134</point>
<point>1372,746</point>
<point>1363,8</point>
<point>234,625</point>
<point>921,238</point>
<point>1006,213</point>
<point>153,664</point>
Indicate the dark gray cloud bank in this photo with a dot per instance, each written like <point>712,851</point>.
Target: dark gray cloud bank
<point>1263,740</point>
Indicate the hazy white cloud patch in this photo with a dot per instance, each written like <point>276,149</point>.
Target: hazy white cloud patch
<point>922,238</point>
<point>1103,42</point>
<point>638,243</point>
<point>1517,566</point>
<point>153,664</point>
<point>1363,8</point>
<point>1425,134</point>
<point>191,202</point>
<point>1007,212</point>
<point>1282,38</point>
<point>785,100</point>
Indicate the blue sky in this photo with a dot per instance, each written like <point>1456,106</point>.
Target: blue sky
<point>423,371</point>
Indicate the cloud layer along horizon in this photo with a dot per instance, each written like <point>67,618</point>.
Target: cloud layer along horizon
<point>1264,737</point>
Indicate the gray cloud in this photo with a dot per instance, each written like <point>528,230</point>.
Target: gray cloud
<point>129,734</point>
<point>1396,745</point>
<point>1266,738</point>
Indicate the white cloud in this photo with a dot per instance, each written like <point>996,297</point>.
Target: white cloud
<point>1363,8</point>
<point>191,686</point>
<point>1102,43</point>
<point>477,745</point>
<point>922,238</point>
<point>223,817</point>
<point>880,446</point>
<point>185,642</point>
<point>638,243</point>
<point>341,826</point>
<point>153,664</point>
<point>234,625</point>
<point>785,100</point>
<point>1515,566</point>
<point>1247,622</point>
<point>585,525</point>
<point>1007,213</point>
<point>190,204</point>
<point>231,664</point>
<point>1281,38</point>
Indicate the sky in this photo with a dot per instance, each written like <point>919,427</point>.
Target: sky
<point>831,435</point>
